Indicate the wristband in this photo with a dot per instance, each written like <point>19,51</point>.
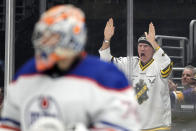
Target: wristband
<point>157,48</point>
<point>106,41</point>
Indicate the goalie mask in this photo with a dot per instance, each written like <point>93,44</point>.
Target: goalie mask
<point>59,33</point>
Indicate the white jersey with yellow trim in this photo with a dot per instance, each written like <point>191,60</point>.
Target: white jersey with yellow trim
<point>151,85</point>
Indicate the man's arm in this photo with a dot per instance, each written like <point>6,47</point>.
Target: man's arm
<point>108,33</point>
<point>104,51</point>
<point>150,36</point>
<point>160,56</point>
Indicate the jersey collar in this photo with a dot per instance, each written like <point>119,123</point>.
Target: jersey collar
<point>143,67</point>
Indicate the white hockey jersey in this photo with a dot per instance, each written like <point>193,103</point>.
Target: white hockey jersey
<point>94,93</point>
<point>151,86</point>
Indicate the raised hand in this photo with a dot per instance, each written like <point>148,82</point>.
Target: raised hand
<point>109,30</point>
<point>172,85</point>
<point>150,36</point>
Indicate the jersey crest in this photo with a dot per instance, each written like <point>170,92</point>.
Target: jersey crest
<point>40,106</point>
<point>141,90</point>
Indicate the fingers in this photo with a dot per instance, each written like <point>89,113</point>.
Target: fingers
<point>172,85</point>
<point>146,34</point>
<point>151,29</point>
<point>110,22</point>
<point>107,24</point>
<point>109,29</point>
<point>169,81</point>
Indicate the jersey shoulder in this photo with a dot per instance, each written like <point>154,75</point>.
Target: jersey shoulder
<point>106,74</point>
<point>28,68</point>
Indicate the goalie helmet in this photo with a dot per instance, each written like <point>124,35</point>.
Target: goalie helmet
<point>60,32</point>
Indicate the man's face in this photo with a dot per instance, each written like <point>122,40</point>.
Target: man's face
<point>145,52</point>
<point>187,76</point>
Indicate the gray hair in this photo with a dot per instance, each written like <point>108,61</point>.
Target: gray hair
<point>192,68</point>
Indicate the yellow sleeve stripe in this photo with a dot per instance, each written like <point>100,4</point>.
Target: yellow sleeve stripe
<point>167,69</point>
<point>166,75</point>
<point>159,129</point>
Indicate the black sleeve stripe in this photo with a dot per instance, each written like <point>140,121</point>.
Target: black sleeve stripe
<point>167,69</point>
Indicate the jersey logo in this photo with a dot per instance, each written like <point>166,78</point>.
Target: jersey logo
<point>40,106</point>
<point>141,90</point>
<point>44,103</point>
<point>151,80</point>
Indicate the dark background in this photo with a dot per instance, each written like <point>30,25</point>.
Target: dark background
<point>170,17</point>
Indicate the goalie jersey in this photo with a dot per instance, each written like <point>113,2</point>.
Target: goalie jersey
<point>93,93</point>
<point>150,82</point>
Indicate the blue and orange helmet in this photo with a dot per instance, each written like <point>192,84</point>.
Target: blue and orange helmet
<point>60,29</point>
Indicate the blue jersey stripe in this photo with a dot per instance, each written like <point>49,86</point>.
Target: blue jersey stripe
<point>114,126</point>
<point>10,120</point>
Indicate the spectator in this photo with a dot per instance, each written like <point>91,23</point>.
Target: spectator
<point>188,81</point>
<point>183,101</point>
<point>63,83</point>
<point>188,76</point>
<point>150,77</point>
